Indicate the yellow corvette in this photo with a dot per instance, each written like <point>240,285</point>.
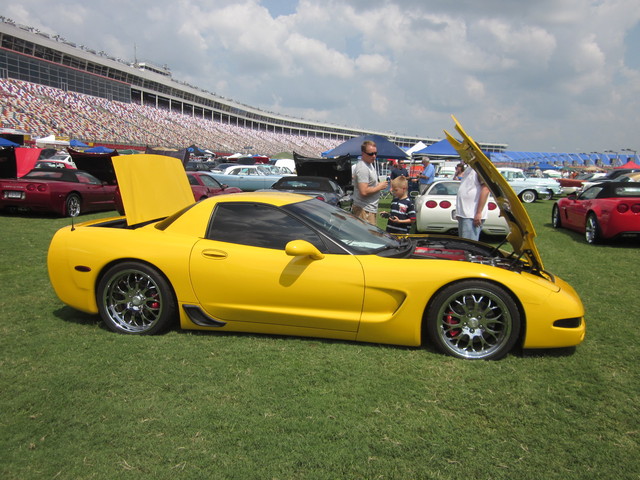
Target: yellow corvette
<point>287,264</point>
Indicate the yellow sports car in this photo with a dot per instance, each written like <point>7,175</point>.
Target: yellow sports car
<point>287,264</point>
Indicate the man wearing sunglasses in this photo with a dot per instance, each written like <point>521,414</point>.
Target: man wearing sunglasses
<point>367,188</point>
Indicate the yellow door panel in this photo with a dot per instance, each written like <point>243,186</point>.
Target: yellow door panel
<point>264,285</point>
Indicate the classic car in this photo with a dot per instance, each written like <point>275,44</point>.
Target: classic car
<point>530,189</point>
<point>204,185</point>
<point>572,185</point>
<point>603,211</point>
<point>307,268</point>
<point>66,192</point>
<point>247,177</point>
<point>436,211</point>
<point>321,188</point>
<point>611,176</point>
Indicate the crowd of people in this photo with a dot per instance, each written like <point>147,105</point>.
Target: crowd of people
<point>41,111</point>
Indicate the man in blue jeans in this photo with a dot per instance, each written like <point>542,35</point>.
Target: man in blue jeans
<point>471,205</point>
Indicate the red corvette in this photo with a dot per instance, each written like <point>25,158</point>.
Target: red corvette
<point>55,190</point>
<point>603,211</point>
<point>204,185</point>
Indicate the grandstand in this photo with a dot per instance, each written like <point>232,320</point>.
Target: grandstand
<point>52,86</point>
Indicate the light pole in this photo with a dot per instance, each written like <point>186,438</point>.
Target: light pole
<point>617,156</point>
<point>630,150</point>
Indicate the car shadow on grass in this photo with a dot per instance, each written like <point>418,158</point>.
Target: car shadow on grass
<point>72,315</point>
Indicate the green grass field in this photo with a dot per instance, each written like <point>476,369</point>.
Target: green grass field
<point>79,402</point>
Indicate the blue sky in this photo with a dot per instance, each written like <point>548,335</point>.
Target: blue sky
<point>549,75</point>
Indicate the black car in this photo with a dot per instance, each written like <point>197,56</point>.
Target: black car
<point>321,188</point>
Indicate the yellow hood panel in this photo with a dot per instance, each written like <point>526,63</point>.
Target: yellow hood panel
<point>522,234</point>
<point>145,200</point>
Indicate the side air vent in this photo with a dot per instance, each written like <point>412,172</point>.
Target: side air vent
<point>568,323</point>
<point>197,316</point>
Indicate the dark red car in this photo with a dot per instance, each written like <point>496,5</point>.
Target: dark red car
<point>603,211</point>
<point>204,185</point>
<point>65,192</point>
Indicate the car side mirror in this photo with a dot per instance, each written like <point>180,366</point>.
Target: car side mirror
<point>302,248</point>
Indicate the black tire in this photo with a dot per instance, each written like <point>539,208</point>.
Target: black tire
<point>72,205</point>
<point>592,233</point>
<point>473,319</point>
<point>556,221</point>
<point>135,299</point>
<point>548,195</point>
<point>528,196</point>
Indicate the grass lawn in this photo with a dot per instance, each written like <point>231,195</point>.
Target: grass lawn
<point>79,402</point>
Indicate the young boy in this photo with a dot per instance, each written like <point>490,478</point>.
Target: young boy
<point>402,214</point>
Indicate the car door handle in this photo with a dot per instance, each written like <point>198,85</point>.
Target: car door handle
<point>214,254</point>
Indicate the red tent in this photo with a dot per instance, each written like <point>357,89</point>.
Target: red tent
<point>629,164</point>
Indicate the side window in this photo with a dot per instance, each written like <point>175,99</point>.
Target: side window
<point>192,180</point>
<point>210,182</point>
<point>590,193</point>
<point>258,225</point>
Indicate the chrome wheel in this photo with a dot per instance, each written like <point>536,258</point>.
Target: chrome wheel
<point>134,298</point>
<point>72,205</point>
<point>547,196</point>
<point>592,229</point>
<point>474,320</point>
<point>528,196</point>
<point>556,222</point>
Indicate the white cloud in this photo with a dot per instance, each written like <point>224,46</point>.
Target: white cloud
<point>536,75</point>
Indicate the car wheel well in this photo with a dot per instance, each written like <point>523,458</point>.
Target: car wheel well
<point>514,297</point>
<point>113,263</point>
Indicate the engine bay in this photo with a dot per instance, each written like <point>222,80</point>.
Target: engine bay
<point>460,250</point>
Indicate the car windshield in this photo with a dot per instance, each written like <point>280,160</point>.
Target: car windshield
<point>358,236</point>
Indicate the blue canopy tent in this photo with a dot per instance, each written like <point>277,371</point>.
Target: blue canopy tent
<point>442,148</point>
<point>99,149</point>
<point>386,148</point>
<point>7,143</point>
<point>77,144</point>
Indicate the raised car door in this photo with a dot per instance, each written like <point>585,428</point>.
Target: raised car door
<point>242,273</point>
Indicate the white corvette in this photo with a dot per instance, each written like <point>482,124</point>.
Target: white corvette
<point>436,211</point>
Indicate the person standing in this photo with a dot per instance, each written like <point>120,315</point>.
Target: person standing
<point>398,170</point>
<point>459,171</point>
<point>367,188</point>
<point>402,213</point>
<point>471,205</point>
<point>427,176</point>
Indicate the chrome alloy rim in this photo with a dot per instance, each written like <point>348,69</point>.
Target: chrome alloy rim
<point>474,323</point>
<point>590,229</point>
<point>73,206</point>
<point>132,300</point>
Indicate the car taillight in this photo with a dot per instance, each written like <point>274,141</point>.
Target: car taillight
<point>31,187</point>
<point>635,208</point>
<point>445,204</point>
<point>623,207</point>
<point>42,188</point>
<point>431,204</point>
<point>321,197</point>
<point>492,206</point>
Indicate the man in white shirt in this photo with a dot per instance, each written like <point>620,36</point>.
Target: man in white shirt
<point>471,205</point>
<point>366,193</point>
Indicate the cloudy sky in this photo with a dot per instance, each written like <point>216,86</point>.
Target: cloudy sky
<point>544,75</point>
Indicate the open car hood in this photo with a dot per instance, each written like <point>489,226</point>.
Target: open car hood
<point>521,235</point>
<point>151,186</point>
